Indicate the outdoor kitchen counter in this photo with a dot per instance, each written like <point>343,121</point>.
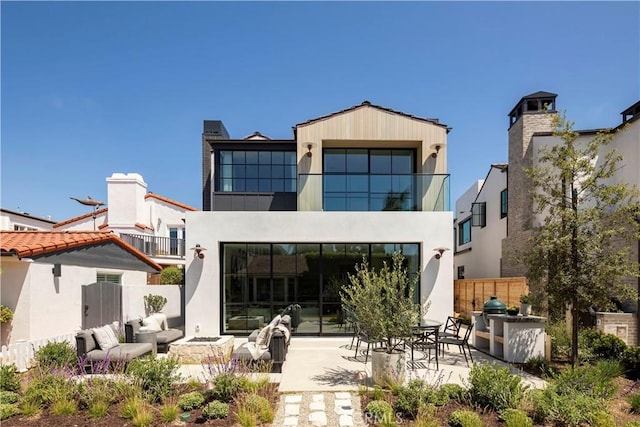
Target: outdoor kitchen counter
<point>513,339</point>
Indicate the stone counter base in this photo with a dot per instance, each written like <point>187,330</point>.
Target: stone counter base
<point>202,352</point>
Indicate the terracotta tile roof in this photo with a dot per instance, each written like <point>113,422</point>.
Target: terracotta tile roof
<point>103,226</point>
<point>369,104</point>
<point>143,227</point>
<point>80,218</point>
<point>150,195</point>
<point>25,244</point>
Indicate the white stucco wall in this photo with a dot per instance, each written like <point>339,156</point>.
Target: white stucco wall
<point>209,229</point>
<point>8,220</point>
<point>46,306</point>
<point>133,300</point>
<point>125,199</point>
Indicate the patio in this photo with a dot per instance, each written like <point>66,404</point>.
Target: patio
<point>328,364</point>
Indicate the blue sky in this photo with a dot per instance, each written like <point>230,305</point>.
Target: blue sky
<point>93,88</point>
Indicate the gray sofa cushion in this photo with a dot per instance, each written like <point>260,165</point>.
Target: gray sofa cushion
<point>90,342</point>
<point>121,352</point>
<point>169,335</point>
<point>243,353</point>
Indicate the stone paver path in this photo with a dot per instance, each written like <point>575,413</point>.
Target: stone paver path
<point>318,409</point>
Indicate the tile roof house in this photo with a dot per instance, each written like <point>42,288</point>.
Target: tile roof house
<point>44,273</point>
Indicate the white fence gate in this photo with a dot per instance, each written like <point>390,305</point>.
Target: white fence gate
<point>22,352</point>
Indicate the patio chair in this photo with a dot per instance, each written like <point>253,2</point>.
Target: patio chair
<point>451,327</point>
<point>426,340</point>
<point>462,343</point>
<point>361,336</point>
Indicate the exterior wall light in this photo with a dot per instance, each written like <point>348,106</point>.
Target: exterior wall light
<point>440,251</point>
<point>437,148</point>
<point>310,146</point>
<point>199,250</point>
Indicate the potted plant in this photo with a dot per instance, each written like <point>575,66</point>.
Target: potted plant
<point>525,304</point>
<point>154,303</point>
<point>383,306</point>
<point>513,310</point>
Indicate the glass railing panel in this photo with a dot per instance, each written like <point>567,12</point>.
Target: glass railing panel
<point>373,192</point>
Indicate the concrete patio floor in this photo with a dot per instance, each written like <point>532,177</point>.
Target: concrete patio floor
<point>330,364</point>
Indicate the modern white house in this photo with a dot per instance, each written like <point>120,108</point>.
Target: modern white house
<point>153,224</point>
<point>285,221</point>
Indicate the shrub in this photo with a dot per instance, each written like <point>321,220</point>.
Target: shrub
<point>56,355</point>
<point>64,407</point>
<point>378,411</point>
<point>539,366</point>
<point>154,303</point>
<point>6,314</point>
<point>599,345</point>
<point>49,388</point>
<point>631,362</point>
<point>172,276</point>
<point>258,405</point>
<point>216,409</point>
<point>560,339</point>
<point>9,378</point>
<point>462,418</point>
<point>169,412</point>
<point>426,417</point>
<point>570,408</point>
<point>592,380</point>
<point>225,387</point>
<point>516,418</point>
<point>9,397</point>
<point>191,401</point>
<point>634,401</point>
<point>377,393</point>
<point>409,399</point>
<point>155,376</point>
<point>439,397</point>
<point>632,424</point>
<point>143,418</point>
<point>454,391</point>
<point>603,419</point>
<point>130,407</point>
<point>29,409</point>
<point>98,409</point>
<point>494,387</point>
<point>96,390</point>
<point>8,410</point>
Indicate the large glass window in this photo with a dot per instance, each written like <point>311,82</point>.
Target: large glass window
<point>257,171</point>
<point>360,179</point>
<point>479,214</point>
<point>259,280</point>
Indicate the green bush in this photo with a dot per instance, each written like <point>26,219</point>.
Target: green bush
<point>8,410</point>
<point>9,396</point>
<point>632,424</point>
<point>454,391</point>
<point>634,401</point>
<point>631,362</point>
<point>410,398</point>
<point>462,418</point>
<point>258,405</point>
<point>216,409</point>
<point>169,412</point>
<point>98,409</point>
<point>172,276</point>
<point>56,355</point>
<point>64,407</point>
<point>570,408</point>
<point>539,366</point>
<point>592,380</point>
<point>379,411</point>
<point>439,397</point>
<point>191,401</point>
<point>9,378</point>
<point>154,303</point>
<point>599,345</point>
<point>560,339</point>
<point>154,375</point>
<point>491,386</point>
<point>50,388</point>
<point>603,419</point>
<point>6,314</point>
<point>516,418</point>
<point>226,386</point>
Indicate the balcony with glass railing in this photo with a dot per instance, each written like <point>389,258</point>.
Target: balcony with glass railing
<point>373,192</point>
<point>154,246</point>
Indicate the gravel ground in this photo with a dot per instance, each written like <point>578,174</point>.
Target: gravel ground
<point>307,398</point>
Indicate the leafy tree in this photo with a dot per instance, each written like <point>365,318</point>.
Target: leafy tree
<point>579,253</point>
<point>172,275</point>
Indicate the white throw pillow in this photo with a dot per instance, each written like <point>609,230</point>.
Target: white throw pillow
<point>276,320</point>
<point>150,324</point>
<point>263,338</point>
<point>161,319</point>
<point>105,337</point>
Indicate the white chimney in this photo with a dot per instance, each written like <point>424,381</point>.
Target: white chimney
<point>125,200</point>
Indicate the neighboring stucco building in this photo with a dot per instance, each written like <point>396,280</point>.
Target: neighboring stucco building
<point>23,221</point>
<point>284,221</point>
<point>509,218</point>
<point>149,222</point>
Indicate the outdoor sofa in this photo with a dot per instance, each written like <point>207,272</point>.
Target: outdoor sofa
<point>97,345</point>
<point>165,335</point>
<point>269,344</point>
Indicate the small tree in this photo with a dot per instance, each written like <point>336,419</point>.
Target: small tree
<point>154,303</point>
<point>383,302</point>
<point>577,254</point>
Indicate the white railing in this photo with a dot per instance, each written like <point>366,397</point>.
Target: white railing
<point>21,353</point>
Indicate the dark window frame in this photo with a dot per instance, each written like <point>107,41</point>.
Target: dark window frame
<point>260,180</point>
<point>479,214</point>
<point>504,203</point>
<point>461,234</point>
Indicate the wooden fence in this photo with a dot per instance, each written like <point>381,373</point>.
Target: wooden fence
<point>470,292</point>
